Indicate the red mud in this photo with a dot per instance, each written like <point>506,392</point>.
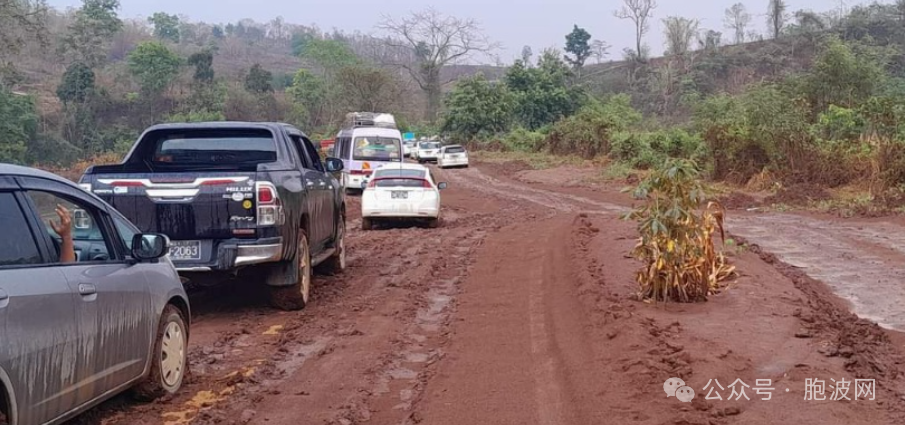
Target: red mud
<point>521,309</point>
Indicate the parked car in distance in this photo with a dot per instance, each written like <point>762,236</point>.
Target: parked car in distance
<point>428,151</point>
<point>452,156</point>
<point>232,196</point>
<point>408,148</point>
<point>89,305</point>
<point>401,192</point>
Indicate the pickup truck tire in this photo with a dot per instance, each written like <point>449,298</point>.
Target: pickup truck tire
<point>367,223</point>
<point>337,262</point>
<point>169,362</point>
<point>295,296</point>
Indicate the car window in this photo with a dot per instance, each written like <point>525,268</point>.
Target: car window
<point>376,149</point>
<point>18,245</point>
<point>430,145</point>
<point>126,232</point>
<point>383,173</point>
<point>403,182</point>
<point>214,146</point>
<point>89,240</point>
<point>312,153</point>
<point>300,151</point>
<point>455,149</point>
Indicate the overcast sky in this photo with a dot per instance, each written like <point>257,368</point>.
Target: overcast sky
<point>537,23</point>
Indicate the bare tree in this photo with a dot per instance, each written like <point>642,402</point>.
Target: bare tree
<point>600,49</point>
<point>776,17</point>
<point>737,19</point>
<point>638,11</point>
<point>679,34</point>
<point>436,41</point>
<point>527,53</point>
<point>20,20</point>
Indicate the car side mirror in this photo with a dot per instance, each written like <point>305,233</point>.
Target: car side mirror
<point>334,165</point>
<point>441,185</point>
<point>149,246</point>
<point>364,184</point>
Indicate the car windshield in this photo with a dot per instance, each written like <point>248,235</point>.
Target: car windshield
<point>455,149</point>
<point>215,147</point>
<point>407,173</point>
<point>404,182</point>
<point>430,145</point>
<point>376,149</point>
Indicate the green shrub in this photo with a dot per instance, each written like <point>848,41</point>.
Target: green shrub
<point>589,132</point>
<point>522,140</point>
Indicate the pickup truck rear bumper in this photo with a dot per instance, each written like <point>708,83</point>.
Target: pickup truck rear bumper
<point>229,254</point>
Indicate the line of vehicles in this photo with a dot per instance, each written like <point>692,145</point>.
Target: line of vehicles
<point>94,304</point>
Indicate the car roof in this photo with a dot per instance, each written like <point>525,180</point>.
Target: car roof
<point>453,146</point>
<point>403,166</point>
<point>18,170</point>
<point>219,125</point>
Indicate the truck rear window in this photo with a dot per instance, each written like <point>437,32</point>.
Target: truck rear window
<point>214,147</point>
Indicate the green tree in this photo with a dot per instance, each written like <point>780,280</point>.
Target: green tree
<point>204,66</point>
<point>18,124</point>
<point>93,26</point>
<point>154,66</point>
<point>309,93</point>
<point>577,45</point>
<point>842,77</point>
<point>77,85</point>
<point>542,95</point>
<point>217,32</point>
<point>330,55</point>
<point>477,107</point>
<point>166,27</point>
<point>259,80</point>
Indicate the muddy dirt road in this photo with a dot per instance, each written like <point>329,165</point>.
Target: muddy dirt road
<point>519,310</point>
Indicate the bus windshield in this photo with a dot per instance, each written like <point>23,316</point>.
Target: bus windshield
<point>376,149</point>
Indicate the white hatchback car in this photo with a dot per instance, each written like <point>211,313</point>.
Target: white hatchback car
<point>401,192</point>
<point>452,156</point>
<point>427,151</point>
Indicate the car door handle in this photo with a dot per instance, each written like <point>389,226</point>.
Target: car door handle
<point>86,289</point>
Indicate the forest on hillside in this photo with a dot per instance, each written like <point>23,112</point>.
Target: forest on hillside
<point>816,99</point>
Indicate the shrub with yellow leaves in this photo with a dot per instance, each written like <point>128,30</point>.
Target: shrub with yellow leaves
<point>676,243</point>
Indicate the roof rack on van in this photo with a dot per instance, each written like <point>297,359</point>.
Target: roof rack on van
<point>370,119</point>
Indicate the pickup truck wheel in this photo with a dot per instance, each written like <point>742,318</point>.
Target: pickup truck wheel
<point>367,223</point>
<point>170,357</point>
<point>295,296</point>
<point>337,262</point>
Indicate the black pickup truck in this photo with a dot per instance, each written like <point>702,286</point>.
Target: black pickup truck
<point>233,196</point>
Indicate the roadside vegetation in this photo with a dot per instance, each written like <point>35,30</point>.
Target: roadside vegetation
<point>677,225</point>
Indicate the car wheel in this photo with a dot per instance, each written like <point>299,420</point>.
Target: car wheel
<point>337,262</point>
<point>433,223</point>
<point>169,363</point>
<point>295,296</point>
<point>367,223</point>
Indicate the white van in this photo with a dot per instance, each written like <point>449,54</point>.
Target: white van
<point>367,142</point>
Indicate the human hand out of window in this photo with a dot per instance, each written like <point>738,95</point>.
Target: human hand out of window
<point>64,229</point>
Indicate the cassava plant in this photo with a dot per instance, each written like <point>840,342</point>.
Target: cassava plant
<point>676,244</point>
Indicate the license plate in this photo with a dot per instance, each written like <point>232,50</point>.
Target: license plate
<point>185,250</point>
<point>399,195</point>
<point>455,155</point>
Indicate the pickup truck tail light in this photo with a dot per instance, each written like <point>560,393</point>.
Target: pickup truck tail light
<point>270,208</point>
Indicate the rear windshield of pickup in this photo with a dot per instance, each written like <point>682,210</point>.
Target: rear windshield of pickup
<point>211,147</point>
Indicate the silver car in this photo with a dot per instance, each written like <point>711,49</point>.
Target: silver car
<point>89,307</point>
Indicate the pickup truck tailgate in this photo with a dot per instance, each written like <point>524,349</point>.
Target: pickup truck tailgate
<point>184,206</point>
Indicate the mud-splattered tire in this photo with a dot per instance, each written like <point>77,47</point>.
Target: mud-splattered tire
<point>433,223</point>
<point>169,365</point>
<point>367,224</point>
<point>336,264</point>
<point>295,296</point>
